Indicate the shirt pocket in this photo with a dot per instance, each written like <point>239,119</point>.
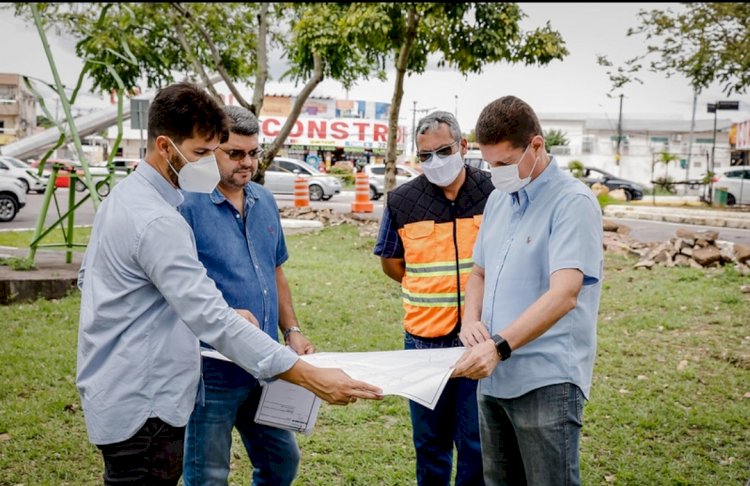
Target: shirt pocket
<point>418,230</point>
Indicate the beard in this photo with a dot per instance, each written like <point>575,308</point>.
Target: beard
<point>176,164</point>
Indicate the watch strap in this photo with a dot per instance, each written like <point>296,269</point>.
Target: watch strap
<point>502,347</point>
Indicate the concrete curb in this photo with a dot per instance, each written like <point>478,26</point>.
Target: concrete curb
<point>681,215</point>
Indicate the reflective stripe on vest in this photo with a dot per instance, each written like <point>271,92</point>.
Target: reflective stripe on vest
<point>429,287</point>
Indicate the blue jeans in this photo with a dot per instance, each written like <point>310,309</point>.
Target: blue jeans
<point>273,452</point>
<point>532,439</point>
<point>454,420</point>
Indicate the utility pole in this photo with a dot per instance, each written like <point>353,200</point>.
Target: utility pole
<point>618,155</point>
<point>455,112</point>
<point>414,129</point>
<point>414,125</point>
<point>690,142</point>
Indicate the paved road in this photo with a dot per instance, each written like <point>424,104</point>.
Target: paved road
<point>642,230</point>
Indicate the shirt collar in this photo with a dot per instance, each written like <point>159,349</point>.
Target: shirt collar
<point>534,188</point>
<point>165,189</point>
<point>217,197</point>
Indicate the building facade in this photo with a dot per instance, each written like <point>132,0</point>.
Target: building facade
<point>17,109</point>
<point>593,141</point>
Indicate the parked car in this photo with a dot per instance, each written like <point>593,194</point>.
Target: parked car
<point>12,198</point>
<point>735,181</point>
<point>473,158</point>
<point>122,164</point>
<point>67,166</point>
<point>281,173</point>
<point>376,175</point>
<point>592,175</point>
<point>11,166</point>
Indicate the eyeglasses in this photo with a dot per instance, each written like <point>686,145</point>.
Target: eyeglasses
<point>442,152</point>
<point>239,155</point>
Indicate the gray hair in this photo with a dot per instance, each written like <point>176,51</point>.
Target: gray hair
<point>241,121</point>
<point>433,121</point>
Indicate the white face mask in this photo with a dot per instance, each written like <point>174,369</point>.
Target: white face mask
<point>506,178</point>
<point>442,171</point>
<point>199,176</point>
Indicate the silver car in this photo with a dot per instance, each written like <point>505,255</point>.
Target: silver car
<point>12,197</point>
<point>281,173</point>
<point>376,175</point>
<point>10,166</point>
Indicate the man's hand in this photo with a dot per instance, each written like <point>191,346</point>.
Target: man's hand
<point>300,344</point>
<point>478,362</point>
<point>473,333</point>
<point>331,384</point>
<point>248,316</point>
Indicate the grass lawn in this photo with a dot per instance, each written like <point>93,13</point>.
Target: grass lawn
<point>670,403</point>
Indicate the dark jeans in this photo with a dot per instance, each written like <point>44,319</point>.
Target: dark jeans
<point>532,439</point>
<point>453,421</point>
<point>153,456</point>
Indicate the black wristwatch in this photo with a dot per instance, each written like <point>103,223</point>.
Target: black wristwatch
<point>502,347</point>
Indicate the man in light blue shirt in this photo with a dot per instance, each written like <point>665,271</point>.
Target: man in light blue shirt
<point>146,299</point>
<point>533,293</point>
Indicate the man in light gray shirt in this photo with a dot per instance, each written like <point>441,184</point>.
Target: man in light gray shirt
<point>146,301</point>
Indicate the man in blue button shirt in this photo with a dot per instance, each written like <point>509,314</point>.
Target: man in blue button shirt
<point>145,297</point>
<point>240,241</point>
<point>533,292</point>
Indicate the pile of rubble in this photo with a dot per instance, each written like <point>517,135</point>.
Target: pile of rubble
<point>698,249</point>
<point>368,225</point>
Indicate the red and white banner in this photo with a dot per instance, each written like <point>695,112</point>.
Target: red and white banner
<point>331,132</point>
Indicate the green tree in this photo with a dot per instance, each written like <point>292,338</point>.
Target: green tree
<point>158,42</point>
<point>553,137</point>
<point>466,36</point>
<point>705,42</point>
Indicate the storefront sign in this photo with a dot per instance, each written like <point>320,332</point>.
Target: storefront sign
<point>331,133</point>
<point>742,140</point>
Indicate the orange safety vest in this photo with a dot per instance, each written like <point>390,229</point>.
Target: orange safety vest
<point>435,278</point>
<point>438,237</point>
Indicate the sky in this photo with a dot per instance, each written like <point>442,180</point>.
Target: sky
<point>576,85</point>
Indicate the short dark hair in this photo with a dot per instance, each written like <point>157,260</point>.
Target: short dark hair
<point>184,110</point>
<point>507,119</point>
<point>241,121</point>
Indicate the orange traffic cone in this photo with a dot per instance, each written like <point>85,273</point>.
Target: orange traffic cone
<point>362,203</point>
<point>301,193</point>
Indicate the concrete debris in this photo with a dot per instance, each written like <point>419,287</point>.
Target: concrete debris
<point>368,226</point>
<point>697,249</point>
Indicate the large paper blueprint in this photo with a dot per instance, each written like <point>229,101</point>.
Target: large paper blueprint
<point>417,374</point>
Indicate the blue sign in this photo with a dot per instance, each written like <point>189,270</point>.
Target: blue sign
<point>313,160</point>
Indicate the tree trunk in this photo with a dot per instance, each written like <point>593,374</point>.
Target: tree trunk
<point>412,22</point>
<point>261,72</point>
<point>197,66</point>
<point>315,79</point>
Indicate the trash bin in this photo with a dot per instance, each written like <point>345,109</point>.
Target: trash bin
<point>720,195</point>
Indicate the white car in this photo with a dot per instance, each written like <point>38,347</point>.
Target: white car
<point>12,167</point>
<point>735,181</point>
<point>12,198</point>
<point>376,175</point>
<point>473,158</point>
<point>281,173</point>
